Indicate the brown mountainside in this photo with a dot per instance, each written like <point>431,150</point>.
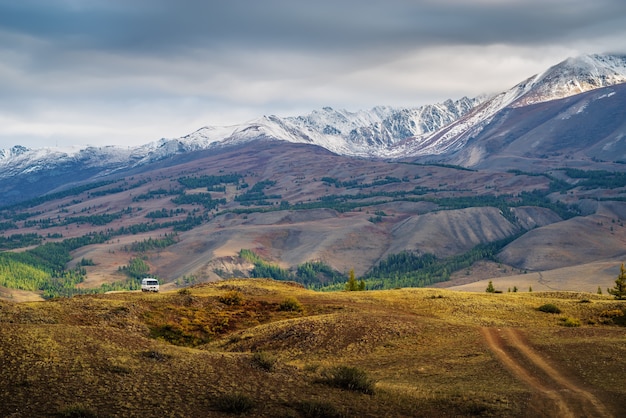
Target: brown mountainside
<point>296,203</point>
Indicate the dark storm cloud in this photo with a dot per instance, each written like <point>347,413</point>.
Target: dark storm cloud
<point>149,26</point>
<point>149,62</point>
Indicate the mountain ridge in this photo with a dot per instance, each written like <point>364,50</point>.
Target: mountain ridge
<point>438,133</point>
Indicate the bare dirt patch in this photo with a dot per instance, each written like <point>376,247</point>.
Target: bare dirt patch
<point>556,394</point>
<point>16,295</point>
<point>579,278</point>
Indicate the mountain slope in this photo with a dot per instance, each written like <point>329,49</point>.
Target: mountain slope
<point>566,79</point>
<point>433,132</point>
<point>583,128</point>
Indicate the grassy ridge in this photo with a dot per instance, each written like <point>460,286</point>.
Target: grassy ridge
<point>209,349</point>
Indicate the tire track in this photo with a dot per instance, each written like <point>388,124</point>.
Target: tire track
<point>566,398</point>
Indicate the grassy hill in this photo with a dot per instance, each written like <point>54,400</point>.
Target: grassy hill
<point>274,349</point>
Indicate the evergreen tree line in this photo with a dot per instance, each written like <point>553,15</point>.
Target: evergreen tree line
<point>354,184</point>
<point>313,274</point>
<point>203,199</point>
<point>136,269</point>
<point>43,268</point>
<point>124,187</point>
<point>152,243</point>
<point>164,213</point>
<point>255,195</point>
<point>210,182</point>
<point>155,194</point>
<point>19,241</point>
<point>409,269</point>
<point>597,179</point>
<point>57,195</point>
<point>5,226</point>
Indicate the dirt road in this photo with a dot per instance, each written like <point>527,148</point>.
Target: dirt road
<point>555,394</point>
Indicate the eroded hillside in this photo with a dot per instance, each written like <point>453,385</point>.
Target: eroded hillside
<point>186,220</point>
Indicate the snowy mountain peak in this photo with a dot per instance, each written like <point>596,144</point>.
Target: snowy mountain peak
<point>573,76</point>
<point>567,78</point>
<point>13,152</point>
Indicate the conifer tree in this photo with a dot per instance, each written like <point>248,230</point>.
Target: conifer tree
<point>619,290</point>
<point>352,284</point>
<point>490,288</point>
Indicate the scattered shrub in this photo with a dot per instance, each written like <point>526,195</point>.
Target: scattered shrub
<point>231,298</point>
<point>184,297</point>
<point>311,367</point>
<point>613,317</point>
<point>350,378</point>
<point>234,403</point>
<point>318,409</point>
<point>570,322</point>
<point>291,304</point>
<point>549,308</point>
<point>155,355</point>
<point>475,408</point>
<point>264,360</point>
<point>177,335</point>
<point>116,368</point>
<point>612,313</point>
<point>76,411</point>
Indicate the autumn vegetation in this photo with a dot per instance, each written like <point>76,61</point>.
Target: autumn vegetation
<point>267,348</point>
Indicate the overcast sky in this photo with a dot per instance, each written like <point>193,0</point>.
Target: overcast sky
<point>128,72</point>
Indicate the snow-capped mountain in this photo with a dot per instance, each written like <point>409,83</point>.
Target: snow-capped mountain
<point>382,132</point>
<point>570,77</point>
<point>573,76</point>
<point>371,133</point>
<point>387,132</point>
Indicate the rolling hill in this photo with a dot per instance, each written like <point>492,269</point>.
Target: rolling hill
<point>263,348</point>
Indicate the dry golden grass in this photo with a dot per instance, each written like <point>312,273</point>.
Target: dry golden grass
<point>109,355</point>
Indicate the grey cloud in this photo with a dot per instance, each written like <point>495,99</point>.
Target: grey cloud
<point>159,25</point>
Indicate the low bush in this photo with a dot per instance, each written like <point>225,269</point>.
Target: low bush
<point>231,298</point>
<point>612,313</point>
<point>291,304</point>
<point>264,360</point>
<point>156,355</point>
<point>234,403</point>
<point>570,322</point>
<point>549,308</point>
<point>318,409</point>
<point>613,317</point>
<point>350,378</point>
<point>76,411</point>
<point>183,297</point>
